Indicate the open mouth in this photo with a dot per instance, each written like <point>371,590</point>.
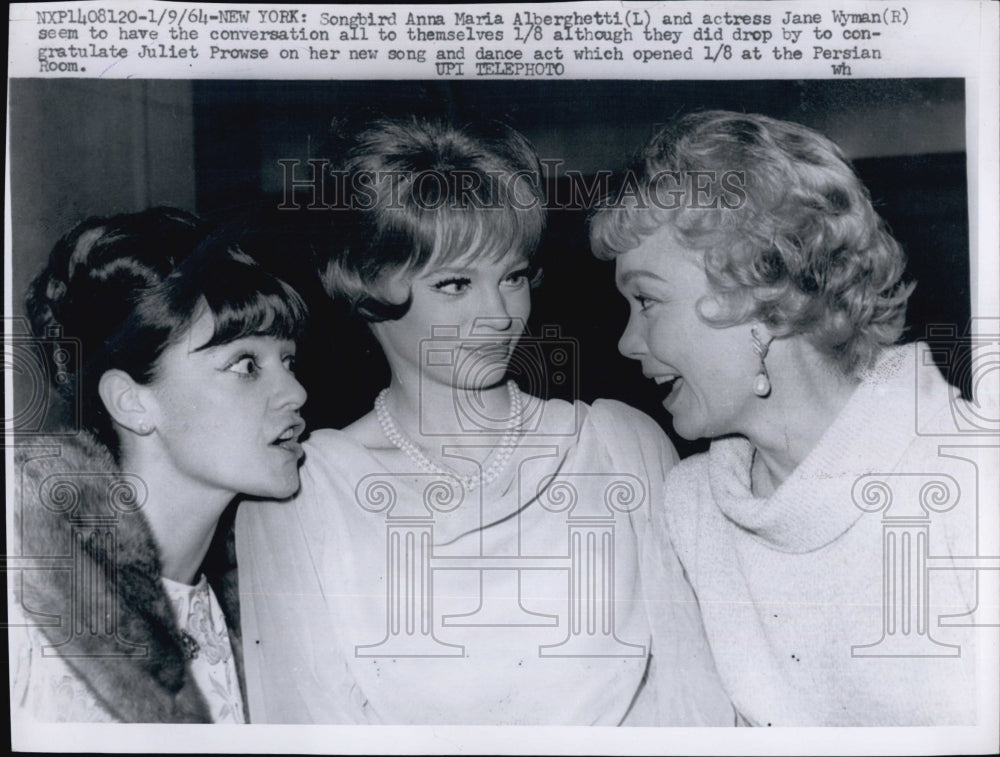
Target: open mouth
<point>666,386</point>
<point>288,439</point>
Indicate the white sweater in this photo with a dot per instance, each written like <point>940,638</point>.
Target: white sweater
<point>791,586</point>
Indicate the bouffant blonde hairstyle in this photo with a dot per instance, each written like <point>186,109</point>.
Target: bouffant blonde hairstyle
<point>784,226</point>
<point>419,192</point>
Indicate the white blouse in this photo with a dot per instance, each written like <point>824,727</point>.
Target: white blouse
<point>200,619</point>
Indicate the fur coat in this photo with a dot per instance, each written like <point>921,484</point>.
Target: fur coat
<point>80,534</point>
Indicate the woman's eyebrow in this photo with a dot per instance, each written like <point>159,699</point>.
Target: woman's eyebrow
<point>638,273</point>
<point>244,342</point>
<point>447,270</point>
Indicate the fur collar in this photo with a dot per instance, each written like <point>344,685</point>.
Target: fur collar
<point>75,508</point>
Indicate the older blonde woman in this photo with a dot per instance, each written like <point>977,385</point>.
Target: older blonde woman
<point>766,297</point>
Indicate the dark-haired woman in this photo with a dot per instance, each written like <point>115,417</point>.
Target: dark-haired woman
<point>187,400</point>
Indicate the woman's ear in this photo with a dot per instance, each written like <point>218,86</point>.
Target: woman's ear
<point>396,286</point>
<point>124,400</point>
<point>763,331</point>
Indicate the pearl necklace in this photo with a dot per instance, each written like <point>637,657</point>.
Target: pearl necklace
<point>507,444</point>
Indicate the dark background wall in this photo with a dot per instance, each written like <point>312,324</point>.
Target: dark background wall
<point>84,147</point>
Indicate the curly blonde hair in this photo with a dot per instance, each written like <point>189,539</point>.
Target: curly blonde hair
<point>787,231</point>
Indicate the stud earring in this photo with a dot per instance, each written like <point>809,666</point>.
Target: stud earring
<point>144,428</point>
<point>761,382</point>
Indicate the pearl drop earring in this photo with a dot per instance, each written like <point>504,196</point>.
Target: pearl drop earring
<point>761,382</point>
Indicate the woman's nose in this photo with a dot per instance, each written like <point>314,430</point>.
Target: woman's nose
<point>632,344</point>
<point>290,392</point>
<point>494,315</point>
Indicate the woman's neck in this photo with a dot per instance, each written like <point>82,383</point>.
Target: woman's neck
<point>807,395</point>
<point>181,513</point>
<point>447,414</point>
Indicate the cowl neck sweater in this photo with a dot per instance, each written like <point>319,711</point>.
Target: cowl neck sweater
<point>790,585</point>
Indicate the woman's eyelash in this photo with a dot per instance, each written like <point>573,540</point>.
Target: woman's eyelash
<point>523,273</point>
<point>252,365</point>
<point>460,281</point>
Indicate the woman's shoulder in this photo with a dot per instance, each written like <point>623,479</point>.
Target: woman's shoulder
<point>625,438</point>
<point>685,487</point>
<point>62,481</point>
<point>624,426</point>
<point>609,419</point>
<point>689,473</point>
<point>349,441</point>
<point>624,416</point>
<point>339,458</point>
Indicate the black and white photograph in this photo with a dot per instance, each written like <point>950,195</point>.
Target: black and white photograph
<point>544,403</point>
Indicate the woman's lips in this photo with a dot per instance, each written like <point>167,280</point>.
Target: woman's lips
<point>288,440</point>
<point>666,387</point>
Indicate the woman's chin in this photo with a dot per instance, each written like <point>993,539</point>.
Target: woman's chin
<point>688,428</point>
<point>276,490</point>
<point>683,433</point>
<point>288,489</point>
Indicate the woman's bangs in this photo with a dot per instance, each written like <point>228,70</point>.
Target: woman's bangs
<point>247,301</point>
<point>621,225</point>
<point>491,232</point>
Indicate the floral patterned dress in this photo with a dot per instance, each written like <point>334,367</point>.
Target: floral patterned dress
<point>203,625</point>
<point>45,688</point>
